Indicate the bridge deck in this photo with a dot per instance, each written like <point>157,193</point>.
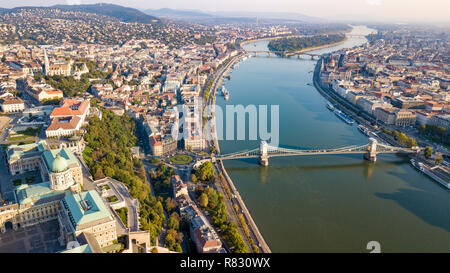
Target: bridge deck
<point>281,152</point>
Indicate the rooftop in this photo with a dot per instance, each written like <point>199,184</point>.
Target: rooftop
<point>85,207</point>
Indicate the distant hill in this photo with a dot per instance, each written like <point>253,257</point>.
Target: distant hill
<point>270,15</point>
<point>124,14</point>
<point>232,16</point>
<point>175,13</point>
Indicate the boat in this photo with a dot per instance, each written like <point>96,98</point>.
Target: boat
<point>363,129</point>
<point>225,93</point>
<point>343,116</point>
<point>330,106</point>
<point>426,170</point>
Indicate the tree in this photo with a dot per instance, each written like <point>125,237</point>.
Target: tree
<point>203,200</point>
<point>173,222</point>
<point>171,204</point>
<point>193,178</point>
<point>439,159</point>
<point>205,172</point>
<point>99,174</point>
<point>428,152</point>
<point>155,160</point>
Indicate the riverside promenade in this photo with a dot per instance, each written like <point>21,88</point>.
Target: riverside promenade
<point>237,199</point>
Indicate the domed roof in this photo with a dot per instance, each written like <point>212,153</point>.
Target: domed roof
<point>59,164</point>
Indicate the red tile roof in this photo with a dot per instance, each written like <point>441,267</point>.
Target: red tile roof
<point>57,124</point>
<point>66,108</point>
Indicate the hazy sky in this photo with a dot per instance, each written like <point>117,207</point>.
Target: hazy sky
<point>392,10</point>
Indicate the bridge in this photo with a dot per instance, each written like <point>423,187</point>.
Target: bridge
<point>355,35</point>
<point>283,53</point>
<point>369,152</point>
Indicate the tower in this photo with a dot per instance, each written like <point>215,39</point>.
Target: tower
<point>46,63</point>
<point>371,153</point>
<point>263,157</point>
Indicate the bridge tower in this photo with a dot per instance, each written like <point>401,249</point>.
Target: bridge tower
<point>371,153</point>
<point>263,156</point>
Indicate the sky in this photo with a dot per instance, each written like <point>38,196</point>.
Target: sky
<point>372,10</point>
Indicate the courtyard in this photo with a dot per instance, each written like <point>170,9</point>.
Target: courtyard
<point>40,238</point>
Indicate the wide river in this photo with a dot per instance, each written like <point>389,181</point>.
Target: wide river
<point>328,203</point>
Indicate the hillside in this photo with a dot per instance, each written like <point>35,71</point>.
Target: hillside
<point>124,14</point>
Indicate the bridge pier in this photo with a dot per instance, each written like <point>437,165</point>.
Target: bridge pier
<point>264,160</point>
<point>371,153</point>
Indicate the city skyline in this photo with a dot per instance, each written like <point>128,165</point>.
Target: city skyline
<point>393,11</point>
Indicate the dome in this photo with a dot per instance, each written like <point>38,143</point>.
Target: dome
<point>59,164</point>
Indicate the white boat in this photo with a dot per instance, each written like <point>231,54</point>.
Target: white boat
<point>426,170</point>
<point>363,129</point>
<point>225,93</point>
<point>330,106</point>
<point>343,117</point>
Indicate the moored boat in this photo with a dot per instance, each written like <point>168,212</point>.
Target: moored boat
<point>343,116</point>
<point>330,106</point>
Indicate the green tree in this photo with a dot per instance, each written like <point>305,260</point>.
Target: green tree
<point>203,200</point>
<point>428,152</point>
<point>439,159</point>
<point>193,178</point>
<point>205,172</point>
<point>173,222</point>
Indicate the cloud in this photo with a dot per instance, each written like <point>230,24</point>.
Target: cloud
<point>374,2</point>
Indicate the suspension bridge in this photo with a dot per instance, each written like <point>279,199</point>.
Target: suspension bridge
<point>369,151</point>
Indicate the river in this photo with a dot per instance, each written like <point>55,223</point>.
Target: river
<point>327,203</point>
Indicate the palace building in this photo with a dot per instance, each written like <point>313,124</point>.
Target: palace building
<point>59,196</point>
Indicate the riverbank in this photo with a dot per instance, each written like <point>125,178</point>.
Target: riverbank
<point>365,119</point>
<point>237,200</point>
<point>322,46</point>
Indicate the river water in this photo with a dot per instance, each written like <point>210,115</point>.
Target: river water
<point>328,203</point>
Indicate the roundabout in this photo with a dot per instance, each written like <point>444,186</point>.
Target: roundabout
<point>180,159</point>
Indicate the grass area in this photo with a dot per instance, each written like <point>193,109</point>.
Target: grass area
<point>24,134</point>
<point>113,248</point>
<point>112,199</point>
<point>180,159</point>
<point>17,137</point>
<point>123,215</point>
<point>30,131</point>
<point>105,187</point>
<point>203,154</point>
